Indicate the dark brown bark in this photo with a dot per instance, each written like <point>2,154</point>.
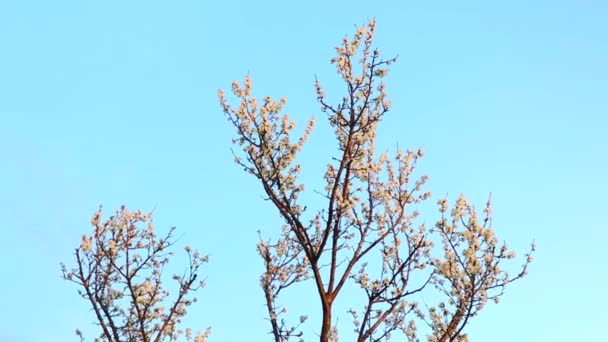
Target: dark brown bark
<point>326,324</point>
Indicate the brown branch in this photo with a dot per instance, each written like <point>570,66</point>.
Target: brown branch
<point>85,282</point>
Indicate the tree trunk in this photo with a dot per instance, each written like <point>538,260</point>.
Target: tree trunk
<point>326,325</point>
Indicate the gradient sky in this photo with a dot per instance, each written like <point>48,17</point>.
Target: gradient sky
<point>112,102</point>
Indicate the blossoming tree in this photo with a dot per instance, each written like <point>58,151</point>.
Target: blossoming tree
<point>119,272</point>
<point>367,234</point>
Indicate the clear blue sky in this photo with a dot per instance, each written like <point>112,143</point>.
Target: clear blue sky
<point>112,102</point>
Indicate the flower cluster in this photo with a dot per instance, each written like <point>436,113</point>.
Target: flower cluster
<point>468,273</point>
<point>284,265</point>
<point>119,271</point>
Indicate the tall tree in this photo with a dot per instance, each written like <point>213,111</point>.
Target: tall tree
<point>367,234</point>
<point>119,271</point>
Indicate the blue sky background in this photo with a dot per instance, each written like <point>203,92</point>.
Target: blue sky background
<point>112,102</point>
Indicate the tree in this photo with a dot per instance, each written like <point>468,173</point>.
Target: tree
<point>119,272</point>
<point>367,233</point>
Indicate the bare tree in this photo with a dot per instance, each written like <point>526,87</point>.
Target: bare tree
<point>368,234</point>
<point>119,271</point>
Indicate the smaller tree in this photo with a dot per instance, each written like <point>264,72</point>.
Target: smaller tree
<point>119,271</point>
